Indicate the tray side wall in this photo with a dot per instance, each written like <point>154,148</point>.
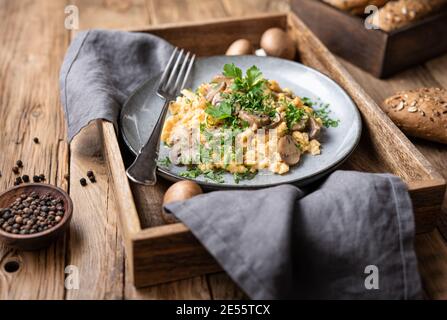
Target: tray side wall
<point>215,36</point>
<point>128,215</point>
<point>169,253</point>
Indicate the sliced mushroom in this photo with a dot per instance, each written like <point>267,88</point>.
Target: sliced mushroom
<point>212,93</point>
<point>315,128</point>
<point>288,150</point>
<point>275,121</point>
<point>301,125</point>
<point>175,153</point>
<point>221,78</point>
<point>251,118</point>
<point>217,99</point>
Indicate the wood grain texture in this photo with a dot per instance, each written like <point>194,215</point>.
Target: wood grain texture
<point>238,8</point>
<point>165,11</point>
<point>94,245</point>
<point>33,43</point>
<point>223,287</point>
<point>431,250</point>
<point>111,14</point>
<point>194,288</point>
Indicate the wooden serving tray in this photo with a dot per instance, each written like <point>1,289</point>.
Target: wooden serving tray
<point>160,253</point>
<point>380,53</point>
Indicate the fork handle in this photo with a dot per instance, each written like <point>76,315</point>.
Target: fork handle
<point>144,169</point>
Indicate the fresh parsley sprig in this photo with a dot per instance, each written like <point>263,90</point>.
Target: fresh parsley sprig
<point>247,94</point>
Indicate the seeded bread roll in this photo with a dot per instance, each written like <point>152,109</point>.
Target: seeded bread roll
<point>355,6</point>
<point>397,14</point>
<point>420,113</point>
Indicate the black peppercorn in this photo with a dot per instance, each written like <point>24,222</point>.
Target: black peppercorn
<point>25,178</point>
<point>15,170</point>
<point>19,163</point>
<point>42,177</point>
<point>36,179</point>
<point>36,140</point>
<point>83,182</point>
<point>92,179</point>
<point>19,217</point>
<point>90,173</point>
<point>19,180</point>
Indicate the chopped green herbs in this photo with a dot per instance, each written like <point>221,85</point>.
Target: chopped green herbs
<point>166,162</point>
<point>238,177</point>
<point>323,114</point>
<point>215,175</point>
<point>307,101</point>
<point>191,173</point>
<point>294,115</point>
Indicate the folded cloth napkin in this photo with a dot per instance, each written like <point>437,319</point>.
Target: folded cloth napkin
<point>352,238</point>
<point>277,242</point>
<point>102,68</point>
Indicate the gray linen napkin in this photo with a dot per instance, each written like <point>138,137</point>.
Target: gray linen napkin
<point>102,68</point>
<point>279,243</point>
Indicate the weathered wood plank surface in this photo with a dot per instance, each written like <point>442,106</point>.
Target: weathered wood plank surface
<point>432,254</point>
<point>94,244</point>
<point>33,42</point>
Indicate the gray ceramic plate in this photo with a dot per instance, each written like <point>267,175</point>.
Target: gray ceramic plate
<point>141,111</point>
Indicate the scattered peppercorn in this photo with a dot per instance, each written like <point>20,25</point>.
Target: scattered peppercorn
<point>19,180</point>
<point>90,173</point>
<point>19,163</point>
<point>42,177</point>
<point>15,170</point>
<point>92,179</point>
<point>25,178</point>
<point>83,182</point>
<point>36,140</point>
<point>36,179</point>
<point>30,213</point>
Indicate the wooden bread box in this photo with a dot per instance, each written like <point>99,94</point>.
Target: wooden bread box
<point>380,53</point>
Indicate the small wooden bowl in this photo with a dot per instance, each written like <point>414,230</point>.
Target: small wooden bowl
<point>39,240</point>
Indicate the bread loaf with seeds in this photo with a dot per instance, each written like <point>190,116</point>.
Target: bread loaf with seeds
<point>397,14</point>
<point>420,113</point>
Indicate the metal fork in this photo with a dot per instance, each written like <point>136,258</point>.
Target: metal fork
<point>143,170</point>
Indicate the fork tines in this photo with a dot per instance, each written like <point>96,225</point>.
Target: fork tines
<point>176,73</point>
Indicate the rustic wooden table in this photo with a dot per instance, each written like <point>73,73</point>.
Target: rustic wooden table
<point>34,41</point>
